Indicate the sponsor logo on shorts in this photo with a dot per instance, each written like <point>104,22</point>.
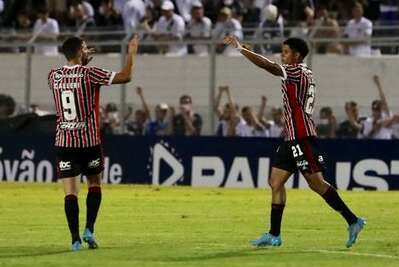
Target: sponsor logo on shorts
<point>302,164</point>
<point>65,165</point>
<point>94,163</point>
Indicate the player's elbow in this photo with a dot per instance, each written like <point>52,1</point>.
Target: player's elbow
<point>122,78</point>
<point>128,79</point>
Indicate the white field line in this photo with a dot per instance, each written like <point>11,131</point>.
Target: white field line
<point>353,253</point>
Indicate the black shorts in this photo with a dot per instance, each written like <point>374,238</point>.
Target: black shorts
<point>302,154</point>
<point>72,162</point>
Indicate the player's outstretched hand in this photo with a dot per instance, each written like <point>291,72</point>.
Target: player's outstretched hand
<point>87,55</point>
<point>133,45</point>
<point>232,40</point>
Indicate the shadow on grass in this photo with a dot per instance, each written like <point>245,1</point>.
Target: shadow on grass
<point>242,253</point>
<point>201,256</point>
<point>21,252</point>
<point>26,252</point>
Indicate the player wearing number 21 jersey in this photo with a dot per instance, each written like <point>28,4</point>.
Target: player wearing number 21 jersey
<point>300,150</point>
<point>76,91</point>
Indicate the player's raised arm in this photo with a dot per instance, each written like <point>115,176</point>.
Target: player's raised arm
<point>383,99</point>
<point>257,59</point>
<point>125,75</point>
<point>146,108</point>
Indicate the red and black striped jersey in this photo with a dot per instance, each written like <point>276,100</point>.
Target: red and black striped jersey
<point>298,90</point>
<point>76,91</point>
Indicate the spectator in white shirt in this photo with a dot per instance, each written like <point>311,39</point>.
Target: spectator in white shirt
<point>170,27</point>
<point>379,124</point>
<point>88,8</point>
<point>271,27</point>
<point>199,28</point>
<point>46,30</point>
<point>184,7</point>
<point>118,5</point>
<point>359,28</point>
<point>225,26</point>
<point>252,125</point>
<point>230,123</point>
<point>133,14</point>
<point>1,6</point>
<point>275,126</point>
<point>81,17</point>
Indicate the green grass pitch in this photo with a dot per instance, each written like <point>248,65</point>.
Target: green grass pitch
<point>181,226</point>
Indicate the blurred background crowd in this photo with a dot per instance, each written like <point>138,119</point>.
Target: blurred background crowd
<point>341,26</point>
<point>165,20</point>
<point>233,118</point>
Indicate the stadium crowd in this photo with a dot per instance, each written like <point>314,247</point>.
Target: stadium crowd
<point>232,119</point>
<point>201,20</point>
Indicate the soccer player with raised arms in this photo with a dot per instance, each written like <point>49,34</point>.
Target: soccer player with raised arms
<point>299,151</point>
<point>76,90</point>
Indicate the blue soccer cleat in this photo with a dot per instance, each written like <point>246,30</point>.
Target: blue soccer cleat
<point>76,246</point>
<point>354,230</point>
<point>88,237</point>
<point>267,239</point>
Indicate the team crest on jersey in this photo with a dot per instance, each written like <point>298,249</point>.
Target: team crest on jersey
<point>321,159</point>
<point>65,165</point>
<point>94,163</point>
<point>57,76</point>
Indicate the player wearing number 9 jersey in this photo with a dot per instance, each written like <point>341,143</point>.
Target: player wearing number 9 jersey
<point>76,91</point>
<point>299,151</point>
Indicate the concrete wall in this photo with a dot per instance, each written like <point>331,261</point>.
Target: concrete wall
<point>165,79</point>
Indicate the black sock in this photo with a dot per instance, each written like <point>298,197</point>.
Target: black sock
<point>276,216</point>
<point>93,201</point>
<point>333,199</point>
<point>72,213</point>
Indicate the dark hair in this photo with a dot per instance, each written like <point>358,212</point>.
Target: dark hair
<point>42,10</point>
<point>327,110</point>
<point>376,105</point>
<point>9,105</point>
<point>71,47</point>
<point>298,45</point>
<point>352,104</point>
<point>357,4</point>
<point>246,109</point>
<point>236,106</point>
<point>185,97</point>
<point>23,13</point>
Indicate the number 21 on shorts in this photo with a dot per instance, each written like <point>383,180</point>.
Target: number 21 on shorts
<point>296,151</point>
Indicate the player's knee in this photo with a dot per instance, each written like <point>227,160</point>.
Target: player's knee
<point>275,184</point>
<point>317,185</point>
<point>313,185</point>
<point>94,180</point>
